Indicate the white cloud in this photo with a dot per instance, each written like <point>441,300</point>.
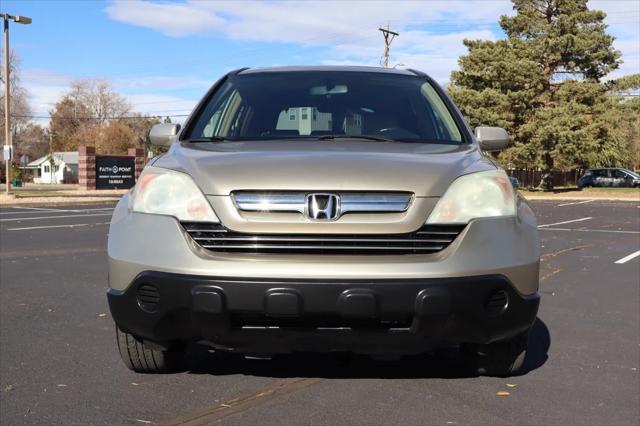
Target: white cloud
<point>623,17</point>
<point>348,28</point>
<point>161,82</point>
<point>172,19</point>
<point>154,104</point>
<point>45,88</point>
<point>346,31</point>
<point>436,54</point>
<point>307,22</point>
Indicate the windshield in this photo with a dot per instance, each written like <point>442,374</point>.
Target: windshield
<point>326,105</point>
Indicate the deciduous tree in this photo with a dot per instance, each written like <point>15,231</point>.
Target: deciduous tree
<point>92,113</point>
<point>19,100</point>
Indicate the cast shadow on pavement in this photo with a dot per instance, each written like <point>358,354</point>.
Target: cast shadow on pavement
<point>445,363</point>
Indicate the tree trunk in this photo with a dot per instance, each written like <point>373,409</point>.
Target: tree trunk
<point>546,183</point>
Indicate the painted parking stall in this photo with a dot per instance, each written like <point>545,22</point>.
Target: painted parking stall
<point>26,218</point>
<point>30,232</point>
<point>52,291</point>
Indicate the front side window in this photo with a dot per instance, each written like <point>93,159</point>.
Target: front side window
<point>619,174</point>
<point>632,174</point>
<point>311,104</point>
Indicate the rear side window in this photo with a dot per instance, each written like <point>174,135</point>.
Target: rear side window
<point>621,174</point>
<point>306,105</point>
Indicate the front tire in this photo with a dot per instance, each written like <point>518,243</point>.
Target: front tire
<point>501,359</point>
<point>141,358</point>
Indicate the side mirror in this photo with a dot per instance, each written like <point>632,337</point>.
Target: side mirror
<point>492,138</point>
<point>163,134</point>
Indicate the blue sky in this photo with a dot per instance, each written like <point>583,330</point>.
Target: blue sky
<point>163,55</point>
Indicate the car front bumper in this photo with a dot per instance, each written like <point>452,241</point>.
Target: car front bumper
<point>369,303</point>
<point>369,316</point>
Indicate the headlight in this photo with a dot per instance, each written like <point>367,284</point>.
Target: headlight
<point>167,192</point>
<point>482,194</point>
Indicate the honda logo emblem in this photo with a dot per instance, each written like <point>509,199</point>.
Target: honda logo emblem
<point>322,206</point>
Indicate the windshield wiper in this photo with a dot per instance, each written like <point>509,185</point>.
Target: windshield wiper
<point>208,139</point>
<point>365,137</point>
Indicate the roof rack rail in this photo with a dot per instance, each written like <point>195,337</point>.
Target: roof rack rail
<point>417,72</point>
<point>236,72</point>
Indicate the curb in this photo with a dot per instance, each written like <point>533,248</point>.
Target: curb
<point>60,202</point>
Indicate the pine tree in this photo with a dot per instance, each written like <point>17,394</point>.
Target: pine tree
<point>542,83</point>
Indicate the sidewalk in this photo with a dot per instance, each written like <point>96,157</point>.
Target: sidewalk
<point>60,197</point>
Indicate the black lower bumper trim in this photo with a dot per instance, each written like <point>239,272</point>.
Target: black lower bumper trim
<point>408,315</point>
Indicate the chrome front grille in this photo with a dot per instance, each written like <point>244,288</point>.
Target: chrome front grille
<point>428,239</point>
<point>297,202</point>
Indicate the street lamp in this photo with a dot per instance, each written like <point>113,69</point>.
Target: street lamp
<point>7,137</point>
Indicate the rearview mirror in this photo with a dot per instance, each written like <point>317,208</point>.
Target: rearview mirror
<point>163,134</point>
<point>492,138</point>
<point>332,90</point>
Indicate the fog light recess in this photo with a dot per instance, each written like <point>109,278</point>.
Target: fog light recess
<point>496,303</point>
<point>148,298</point>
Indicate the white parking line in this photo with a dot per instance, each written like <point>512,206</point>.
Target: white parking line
<point>33,208</point>
<point>627,258</point>
<point>41,211</point>
<point>59,211</point>
<point>591,230</point>
<point>574,203</point>
<point>15,219</point>
<point>57,226</point>
<point>566,221</point>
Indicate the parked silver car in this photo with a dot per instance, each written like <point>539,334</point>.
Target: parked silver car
<point>324,209</point>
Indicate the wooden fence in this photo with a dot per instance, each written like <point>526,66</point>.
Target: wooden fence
<point>530,178</point>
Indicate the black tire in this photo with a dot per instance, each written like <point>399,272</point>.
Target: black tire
<point>140,358</point>
<point>501,359</point>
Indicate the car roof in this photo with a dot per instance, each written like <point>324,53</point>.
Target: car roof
<point>328,68</point>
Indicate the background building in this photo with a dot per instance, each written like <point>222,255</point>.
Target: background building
<point>58,167</point>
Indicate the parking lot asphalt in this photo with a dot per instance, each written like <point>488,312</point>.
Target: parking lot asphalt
<point>59,363</point>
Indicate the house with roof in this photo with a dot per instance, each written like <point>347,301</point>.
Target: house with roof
<point>57,167</point>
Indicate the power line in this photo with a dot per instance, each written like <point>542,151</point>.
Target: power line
<point>175,101</point>
<point>157,112</point>
<point>130,117</point>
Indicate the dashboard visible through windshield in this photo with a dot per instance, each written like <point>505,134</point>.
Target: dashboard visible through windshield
<point>326,105</point>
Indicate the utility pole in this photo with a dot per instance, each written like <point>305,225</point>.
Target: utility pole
<point>7,128</point>
<point>388,38</point>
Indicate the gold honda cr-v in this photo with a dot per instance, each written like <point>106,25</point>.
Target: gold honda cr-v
<point>324,209</point>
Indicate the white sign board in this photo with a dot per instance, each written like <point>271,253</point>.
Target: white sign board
<point>7,152</point>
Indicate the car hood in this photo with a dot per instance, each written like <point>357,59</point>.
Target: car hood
<point>426,170</point>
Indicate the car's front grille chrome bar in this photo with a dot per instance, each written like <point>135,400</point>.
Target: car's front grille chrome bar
<point>428,239</point>
<point>294,202</point>
<point>264,247</point>
<point>293,238</point>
